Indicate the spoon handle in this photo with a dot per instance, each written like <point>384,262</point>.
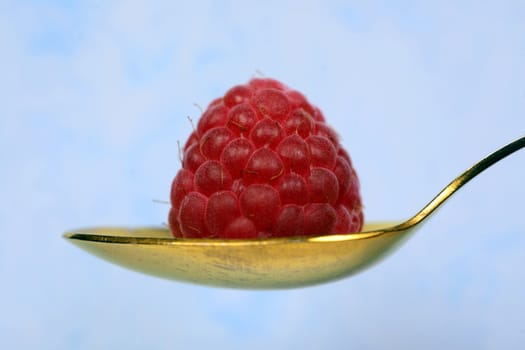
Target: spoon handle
<point>462,179</point>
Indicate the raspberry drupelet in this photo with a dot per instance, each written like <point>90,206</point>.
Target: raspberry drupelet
<point>262,163</point>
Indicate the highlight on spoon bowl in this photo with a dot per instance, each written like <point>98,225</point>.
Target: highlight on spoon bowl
<point>250,264</point>
<point>265,263</point>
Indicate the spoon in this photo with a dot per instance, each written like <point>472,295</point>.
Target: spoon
<point>264,263</point>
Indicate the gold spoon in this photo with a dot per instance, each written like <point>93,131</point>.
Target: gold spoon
<point>263,263</point>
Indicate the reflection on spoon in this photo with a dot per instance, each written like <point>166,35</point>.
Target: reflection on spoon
<point>264,263</point>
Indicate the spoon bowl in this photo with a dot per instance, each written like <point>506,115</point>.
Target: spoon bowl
<point>264,263</point>
<point>253,264</point>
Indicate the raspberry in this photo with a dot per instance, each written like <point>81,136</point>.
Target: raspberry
<point>261,163</point>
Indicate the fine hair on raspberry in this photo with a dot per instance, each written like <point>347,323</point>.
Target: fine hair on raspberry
<point>262,162</point>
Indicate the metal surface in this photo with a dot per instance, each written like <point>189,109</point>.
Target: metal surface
<point>266,263</point>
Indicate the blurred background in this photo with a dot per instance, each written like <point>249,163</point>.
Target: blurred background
<point>95,95</point>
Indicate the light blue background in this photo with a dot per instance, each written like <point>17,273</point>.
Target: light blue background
<point>94,96</point>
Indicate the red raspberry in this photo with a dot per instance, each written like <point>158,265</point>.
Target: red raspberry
<point>263,163</point>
